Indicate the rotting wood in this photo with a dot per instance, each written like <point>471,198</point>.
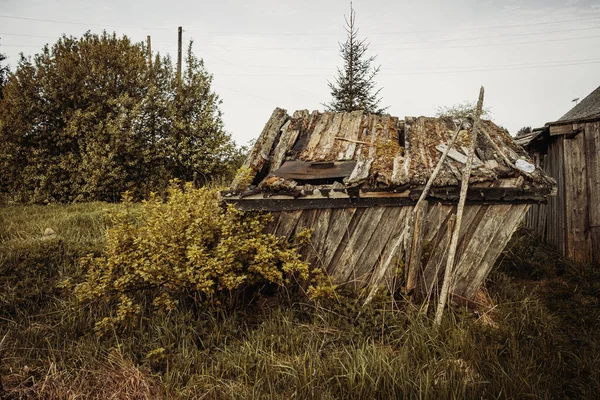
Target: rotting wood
<point>431,286</point>
<point>289,203</point>
<point>261,151</point>
<point>561,129</point>
<point>479,269</point>
<point>579,246</point>
<point>441,161</point>
<point>459,212</point>
<point>360,172</point>
<point>592,148</point>
<point>392,251</point>
<point>338,228</point>
<point>366,263</point>
<point>365,228</point>
<point>456,155</point>
<point>417,233</point>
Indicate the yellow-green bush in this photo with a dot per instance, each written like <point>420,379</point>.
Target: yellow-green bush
<point>185,246</point>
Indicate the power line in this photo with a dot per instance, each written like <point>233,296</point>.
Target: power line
<point>82,23</point>
<point>509,67</point>
<point>409,32</point>
<point>242,48</point>
<point>502,36</point>
<point>244,93</point>
<point>305,33</point>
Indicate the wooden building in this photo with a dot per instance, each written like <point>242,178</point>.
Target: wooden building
<point>569,150</point>
<point>354,178</point>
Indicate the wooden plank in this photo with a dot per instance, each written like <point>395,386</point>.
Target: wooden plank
<point>324,123</point>
<point>306,221</point>
<point>437,242</point>
<point>476,247</point>
<point>287,223</point>
<point>290,204</point>
<point>592,153</point>
<point>475,277</point>
<point>391,255</point>
<point>361,171</point>
<point>417,232</point>
<point>578,240</point>
<point>264,144</point>
<point>283,145</point>
<point>319,237</point>
<point>561,129</point>
<point>340,227</point>
<point>357,241</point>
<point>430,285</point>
<point>457,156</point>
<point>352,134</point>
<point>368,260</point>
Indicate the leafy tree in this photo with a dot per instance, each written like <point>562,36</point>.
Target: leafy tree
<point>3,73</point>
<point>524,130</point>
<point>354,87</point>
<point>88,119</point>
<point>462,111</point>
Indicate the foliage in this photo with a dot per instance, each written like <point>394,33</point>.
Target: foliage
<point>3,73</point>
<point>544,342</point>
<point>89,118</point>
<point>187,247</point>
<point>524,130</point>
<point>461,111</point>
<point>354,85</point>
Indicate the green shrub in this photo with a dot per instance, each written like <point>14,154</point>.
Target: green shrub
<point>187,247</point>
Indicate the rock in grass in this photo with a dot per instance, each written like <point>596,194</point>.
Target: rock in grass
<point>49,234</point>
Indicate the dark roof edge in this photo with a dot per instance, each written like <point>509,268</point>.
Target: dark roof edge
<point>574,121</point>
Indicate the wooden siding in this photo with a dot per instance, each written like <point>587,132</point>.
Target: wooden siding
<point>571,220</point>
<point>353,244</point>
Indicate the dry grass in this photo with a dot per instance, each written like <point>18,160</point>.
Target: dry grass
<point>543,340</point>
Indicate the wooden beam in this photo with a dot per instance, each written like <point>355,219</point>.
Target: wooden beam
<point>308,204</point>
<point>561,129</point>
<point>459,212</point>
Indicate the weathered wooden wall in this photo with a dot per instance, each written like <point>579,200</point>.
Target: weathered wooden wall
<point>571,220</point>
<point>353,244</point>
<point>592,155</point>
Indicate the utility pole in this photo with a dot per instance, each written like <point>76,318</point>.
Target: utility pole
<point>180,30</point>
<point>149,45</point>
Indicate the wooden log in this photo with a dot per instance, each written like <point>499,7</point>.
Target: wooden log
<point>354,141</point>
<point>459,212</point>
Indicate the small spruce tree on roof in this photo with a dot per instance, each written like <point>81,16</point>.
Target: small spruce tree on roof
<point>354,87</point>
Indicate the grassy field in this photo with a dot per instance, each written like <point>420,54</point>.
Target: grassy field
<point>540,338</point>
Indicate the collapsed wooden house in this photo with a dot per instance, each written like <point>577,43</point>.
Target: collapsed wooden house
<point>569,150</point>
<point>354,179</point>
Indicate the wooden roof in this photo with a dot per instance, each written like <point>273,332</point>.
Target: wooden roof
<point>388,154</point>
<point>587,108</point>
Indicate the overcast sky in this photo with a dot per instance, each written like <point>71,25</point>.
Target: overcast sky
<point>533,57</point>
